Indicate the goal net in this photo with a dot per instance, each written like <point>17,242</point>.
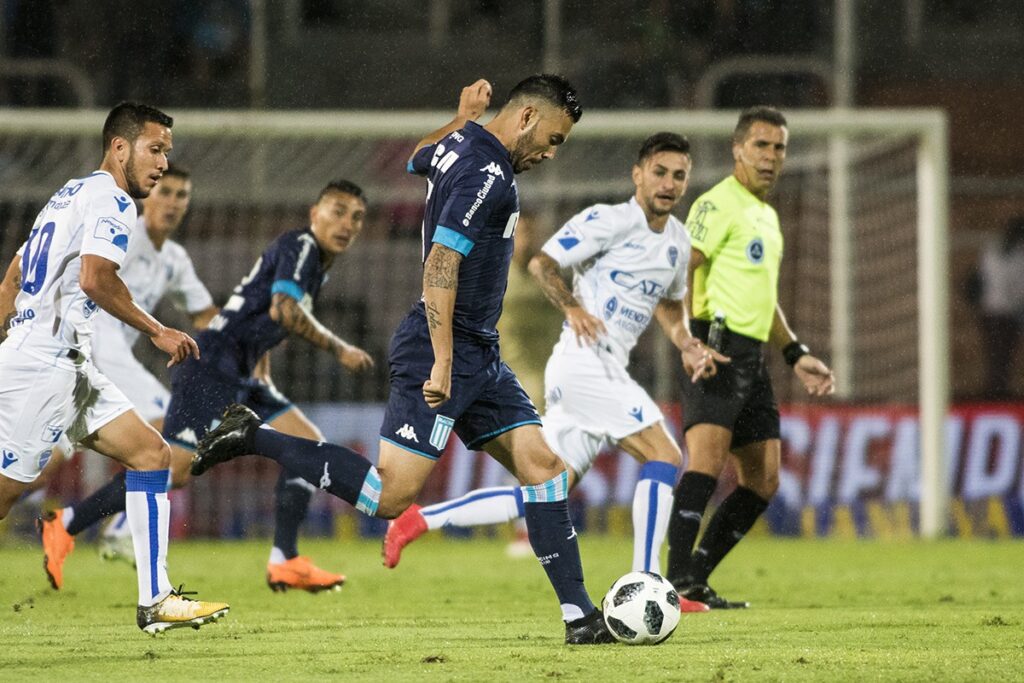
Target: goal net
<point>862,204</point>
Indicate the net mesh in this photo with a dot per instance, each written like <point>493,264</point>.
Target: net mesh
<point>251,186</point>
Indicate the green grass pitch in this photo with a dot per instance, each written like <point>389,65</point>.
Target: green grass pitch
<point>461,610</point>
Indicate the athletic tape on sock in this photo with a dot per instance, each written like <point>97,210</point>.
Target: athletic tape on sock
<point>369,494</point>
<point>550,491</point>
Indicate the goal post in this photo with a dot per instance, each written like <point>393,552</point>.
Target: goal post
<point>864,206</point>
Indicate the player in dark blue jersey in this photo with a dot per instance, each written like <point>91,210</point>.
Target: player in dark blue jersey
<point>273,301</point>
<point>446,371</point>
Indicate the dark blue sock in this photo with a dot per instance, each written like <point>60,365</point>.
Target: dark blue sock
<point>692,494</point>
<point>338,470</point>
<point>292,496</point>
<point>105,501</point>
<point>554,542</point>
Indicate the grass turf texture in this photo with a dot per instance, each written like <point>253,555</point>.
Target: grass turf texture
<point>461,610</point>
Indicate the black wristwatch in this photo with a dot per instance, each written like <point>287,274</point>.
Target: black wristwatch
<point>794,351</point>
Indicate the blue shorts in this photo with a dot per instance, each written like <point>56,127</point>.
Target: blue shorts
<point>199,394</point>
<point>486,398</point>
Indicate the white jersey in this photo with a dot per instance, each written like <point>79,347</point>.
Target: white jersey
<point>150,274</point>
<point>622,268</point>
<point>90,215</point>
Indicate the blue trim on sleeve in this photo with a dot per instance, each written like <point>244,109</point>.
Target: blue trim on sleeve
<point>410,168</point>
<point>288,287</point>
<point>453,240</point>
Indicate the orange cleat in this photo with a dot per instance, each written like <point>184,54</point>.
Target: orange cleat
<point>301,574</point>
<point>692,605</point>
<point>402,531</point>
<point>57,545</point>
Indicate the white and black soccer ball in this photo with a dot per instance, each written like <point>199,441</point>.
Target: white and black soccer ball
<point>641,608</point>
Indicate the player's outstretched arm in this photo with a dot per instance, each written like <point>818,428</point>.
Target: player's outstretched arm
<point>8,293</point>
<point>545,270</point>
<point>472,104</point>
<point>289,314</point>
<point>698,359</point>
<point>816,377</point>
<point>100,282</point>
<point>440,285</point>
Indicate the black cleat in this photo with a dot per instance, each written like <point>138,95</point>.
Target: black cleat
<point>589,630</point>
<point>231,438</point>
<point>701,592</point>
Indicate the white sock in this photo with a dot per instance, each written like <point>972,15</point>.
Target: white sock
<point>476,508</point>
<point>276,556</point>
<point>118,526</point>
<point>149,514</point>
<point>652,507</point>
<point>67,516</point>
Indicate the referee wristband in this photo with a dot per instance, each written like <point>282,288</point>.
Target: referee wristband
<point>794,351</point>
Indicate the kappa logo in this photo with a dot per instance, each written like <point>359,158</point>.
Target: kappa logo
<point>493,169</point>
<point>407,432</point>
<point>9,459</point>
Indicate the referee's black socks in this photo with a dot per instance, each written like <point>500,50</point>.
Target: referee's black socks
<point>730,523</point>
<point>691,498</point>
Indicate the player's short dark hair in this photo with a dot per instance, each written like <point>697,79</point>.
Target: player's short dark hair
<point>177,171</point>
<point>662,142</point>
<point>127,119</point>
<point>552,89</point>
<point>342,185</point>
<point>762,113</point>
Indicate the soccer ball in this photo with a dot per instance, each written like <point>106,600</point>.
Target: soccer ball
<point>641,608</point>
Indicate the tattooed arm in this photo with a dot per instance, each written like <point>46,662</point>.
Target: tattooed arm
<point>546,271</point>
<point>440,284</point>
<point>286,312</point>
<point>8,292</point>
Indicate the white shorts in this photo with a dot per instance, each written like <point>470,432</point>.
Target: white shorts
<point>591,402</point>
<point>113,356</point>
<point>41,401</point>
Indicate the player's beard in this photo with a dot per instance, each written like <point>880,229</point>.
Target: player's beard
<point>520,150</point>
<point>135,190</point>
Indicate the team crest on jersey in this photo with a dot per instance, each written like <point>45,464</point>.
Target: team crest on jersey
<point>673,256</point>
<point>441,431</point>
<point>113,231</point>
<point>755,251</point>
<point>89,307</point>
<point>493,169</point>
<point>610,307</point>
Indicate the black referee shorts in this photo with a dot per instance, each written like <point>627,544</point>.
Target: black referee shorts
<point>739,397</point>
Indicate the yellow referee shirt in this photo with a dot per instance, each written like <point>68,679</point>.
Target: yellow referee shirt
<point>740,238</point>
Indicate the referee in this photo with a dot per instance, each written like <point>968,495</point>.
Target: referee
<point>731,411</point>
